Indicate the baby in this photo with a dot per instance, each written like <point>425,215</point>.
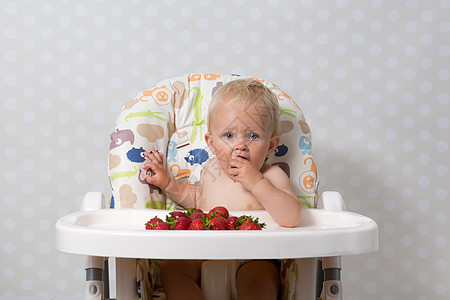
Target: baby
<point>243,130</point>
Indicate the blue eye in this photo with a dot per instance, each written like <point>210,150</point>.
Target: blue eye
<point>228,135</point>
<point>253,136</point>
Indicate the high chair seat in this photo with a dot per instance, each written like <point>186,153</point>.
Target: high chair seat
<point>171,117</point>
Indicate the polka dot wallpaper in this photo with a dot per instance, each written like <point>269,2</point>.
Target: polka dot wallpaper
<point>372,78</point>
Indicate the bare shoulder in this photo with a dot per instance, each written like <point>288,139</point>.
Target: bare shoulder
<point>277,177</point>
<point>272,170</point>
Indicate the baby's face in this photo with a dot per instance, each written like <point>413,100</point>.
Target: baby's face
<point>240,132</point>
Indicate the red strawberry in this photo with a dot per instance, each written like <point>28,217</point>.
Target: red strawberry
<point>150,225</point>
<point>217,223</point>
<point>219,210</point>
<point>177,214</point>
<point>182,223</point>
<point>249,225</point>
<point>231,223</point>
<point>197,215</point>
<point>197,224</point>
<point>162,226</point>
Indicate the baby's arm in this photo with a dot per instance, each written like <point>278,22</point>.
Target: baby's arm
<point>275,193</point>
<point>182,193</point>
<point>272,187</point>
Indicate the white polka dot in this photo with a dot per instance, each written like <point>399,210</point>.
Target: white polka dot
<point>27,260</point>
<point>372,288</point>
<point>440,289</point>
<point>338,169</point>
<point>354,276</point>
<point>9,273</point>
<point>358,15</point>
<point>306,49</point>
<point>440,265</point>
<point>219,60</point>
<point>306,25</point>
<point>341,26</point>
<point>423,229</point>
<point>442,146</point>
<point>357,62</point>
<point>26,284</point>
<point>355,181</point>
<point>61,284</point>
<point>441,193</point>
<point>44,224</point>
<point>44,274</point>
<point>389,228</point>
<point>272,49</point>
<point>388,277</point>
<point>356,134</point>
<point>442,170</point>
<point>9,224</point>
<point>288,38</point>
<point>392,39</point>
<point>272,25</point>
<point>340,50</point>
<point>424,135</point>
<point>441,241</point>
<point>44,248</point>
<point>355,157</point>
<point>406,264</point>
<point>408,146</point>
<point>407,217</point>
<point>28,188</point>
<point>441,217</point>
<point>305,73</point>
<point>373,192</point>
<point>389,205</point>
<point>322,85</point>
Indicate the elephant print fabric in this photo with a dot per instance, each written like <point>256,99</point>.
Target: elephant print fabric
<point>171,117</point>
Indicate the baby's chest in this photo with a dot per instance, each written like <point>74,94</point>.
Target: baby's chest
<point>227,193</point>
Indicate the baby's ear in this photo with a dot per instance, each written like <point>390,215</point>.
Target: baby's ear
<point>274,141</point>
<point>209,142</point>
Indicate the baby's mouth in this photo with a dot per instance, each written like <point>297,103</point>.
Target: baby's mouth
<point>239,155</point>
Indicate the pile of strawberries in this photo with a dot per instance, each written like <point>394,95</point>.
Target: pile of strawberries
<point>217,218</point>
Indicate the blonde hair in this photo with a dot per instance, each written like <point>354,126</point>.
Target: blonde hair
<point>247,92</point>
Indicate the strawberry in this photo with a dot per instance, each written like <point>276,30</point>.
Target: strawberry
<point>162,226</point>
<point>217,223</point>
<point>250,225</point>
<point>197,224</point>
<point>219,210</point>
<point>150,225</point>
<point>182,223</point>
<point>176,214</point>
<point>231,223</point>
<point>197,215</point>
<point>190,211</point>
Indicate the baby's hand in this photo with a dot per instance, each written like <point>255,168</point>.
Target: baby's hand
<point>241,170</point>
<point>158,175</point>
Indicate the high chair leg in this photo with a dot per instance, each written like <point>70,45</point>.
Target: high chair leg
<point>93,289</point>
<point>126,278</point>
<point>332,285</point>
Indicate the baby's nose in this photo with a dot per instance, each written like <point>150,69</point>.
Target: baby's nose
<point>241,144</point>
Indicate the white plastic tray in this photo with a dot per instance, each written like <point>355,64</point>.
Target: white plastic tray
<point>121,233</point>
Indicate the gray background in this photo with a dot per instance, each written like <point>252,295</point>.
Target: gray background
<point>372,78</point>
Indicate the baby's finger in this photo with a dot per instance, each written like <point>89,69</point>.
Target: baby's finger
<point>155,168</point>
<point>151,155</point>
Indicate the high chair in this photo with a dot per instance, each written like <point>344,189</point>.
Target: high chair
<point>171,117</point>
